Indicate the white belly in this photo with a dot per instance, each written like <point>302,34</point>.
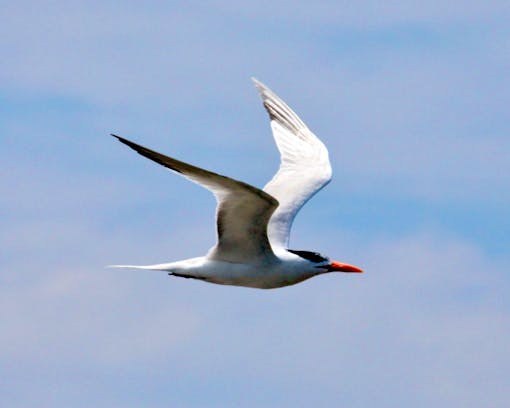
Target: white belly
<point>261,276</point>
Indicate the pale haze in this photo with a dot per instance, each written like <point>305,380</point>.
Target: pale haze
<point>411,100</point>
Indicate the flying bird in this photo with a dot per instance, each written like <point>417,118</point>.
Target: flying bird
<point>253,225</point>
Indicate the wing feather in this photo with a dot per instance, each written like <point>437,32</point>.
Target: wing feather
<point>242,213</point>
<point>304,167</point>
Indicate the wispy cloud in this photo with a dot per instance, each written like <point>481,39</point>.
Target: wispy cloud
<point>425,316</point>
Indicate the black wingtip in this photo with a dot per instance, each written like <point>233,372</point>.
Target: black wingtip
<point>122,140</point>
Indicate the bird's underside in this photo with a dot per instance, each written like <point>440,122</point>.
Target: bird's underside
<point>288,269</point>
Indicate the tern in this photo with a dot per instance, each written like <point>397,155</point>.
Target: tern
<point>253,225</point>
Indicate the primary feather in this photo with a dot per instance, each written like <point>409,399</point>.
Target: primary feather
<point>304,167</point>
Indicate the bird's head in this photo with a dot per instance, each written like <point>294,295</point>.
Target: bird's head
<point>325,263</point>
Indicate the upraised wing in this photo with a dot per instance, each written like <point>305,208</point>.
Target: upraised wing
<point>242,213</point>
<point>304,167</point>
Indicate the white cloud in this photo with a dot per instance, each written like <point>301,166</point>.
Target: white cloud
<point>428,318</point>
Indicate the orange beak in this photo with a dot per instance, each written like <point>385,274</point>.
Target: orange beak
<point>342,267</point>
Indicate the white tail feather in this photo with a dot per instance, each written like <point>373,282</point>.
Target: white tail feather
<point>160,267</point>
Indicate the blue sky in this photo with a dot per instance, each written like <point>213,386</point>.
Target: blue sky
<point>411,100</point>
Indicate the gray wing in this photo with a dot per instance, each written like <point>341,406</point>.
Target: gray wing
<point>242,213</point>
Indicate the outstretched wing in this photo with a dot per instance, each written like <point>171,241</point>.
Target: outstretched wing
<point>304,167</point>
<point>242,213</point>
